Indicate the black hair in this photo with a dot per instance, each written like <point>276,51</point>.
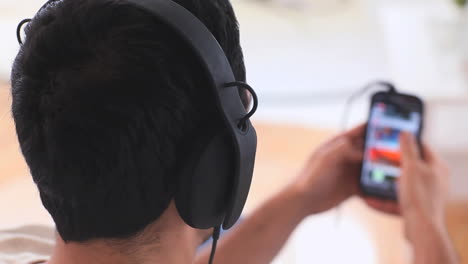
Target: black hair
<point>105,99</point>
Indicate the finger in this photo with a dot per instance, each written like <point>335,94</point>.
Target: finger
<point>388,207</point>
<point>409,148</point>
<point>355,154</point>
<point>400,182</point>
<point>359,142</point>
<point>351,152</point>
<point>428,154</point>
<point>356,132</point>
<point>385,207</point>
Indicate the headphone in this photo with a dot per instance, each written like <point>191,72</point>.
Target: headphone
<point>216,178</point>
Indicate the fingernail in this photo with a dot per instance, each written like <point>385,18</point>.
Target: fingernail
<point>408,137</point>
<point>403,136</point>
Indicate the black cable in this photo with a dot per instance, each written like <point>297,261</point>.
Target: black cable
<point>18,29</point>
<point>216,232</point>
<point>254,97</point>
<point>349,102</point>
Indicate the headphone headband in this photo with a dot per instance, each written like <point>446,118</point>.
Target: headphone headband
<point>220,74</point>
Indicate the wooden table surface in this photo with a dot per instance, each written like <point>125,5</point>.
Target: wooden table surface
<point>281,151</point>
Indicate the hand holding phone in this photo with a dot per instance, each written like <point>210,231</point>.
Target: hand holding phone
<point>391,113</point>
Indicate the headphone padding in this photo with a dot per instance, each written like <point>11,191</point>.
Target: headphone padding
<point>204,182</point>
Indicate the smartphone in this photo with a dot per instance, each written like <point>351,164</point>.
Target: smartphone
<point>390,114</point>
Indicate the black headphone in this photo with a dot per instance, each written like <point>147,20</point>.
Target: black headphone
<point>216,178</point>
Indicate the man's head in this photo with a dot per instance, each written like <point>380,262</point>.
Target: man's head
<point>105,100</point>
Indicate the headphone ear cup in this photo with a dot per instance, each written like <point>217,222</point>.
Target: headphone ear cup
<point>203,190</point>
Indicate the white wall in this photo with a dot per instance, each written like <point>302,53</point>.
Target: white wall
<point>11,13</point>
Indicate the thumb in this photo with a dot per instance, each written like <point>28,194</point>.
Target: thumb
<point>409,148</point>
<point>355,154</point>
<point>349,151</point>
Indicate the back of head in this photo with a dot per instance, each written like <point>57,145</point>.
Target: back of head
<point>106,100</point>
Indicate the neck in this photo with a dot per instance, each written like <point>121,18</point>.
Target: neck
<point>176,243</point>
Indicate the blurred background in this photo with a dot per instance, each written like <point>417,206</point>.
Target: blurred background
<point>305,58</point>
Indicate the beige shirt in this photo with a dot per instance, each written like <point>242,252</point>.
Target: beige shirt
<point>26,245</point>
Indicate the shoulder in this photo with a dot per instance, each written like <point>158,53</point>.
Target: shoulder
<point>26,245</point>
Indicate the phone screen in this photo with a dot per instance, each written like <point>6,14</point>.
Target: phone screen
<point>382,157</point>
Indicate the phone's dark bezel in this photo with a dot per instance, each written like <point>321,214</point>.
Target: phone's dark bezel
<point>395,99</point>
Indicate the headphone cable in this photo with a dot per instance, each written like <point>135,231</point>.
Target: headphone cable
<point>349,102</point>
<point>346,113</point>
<point>216,232</point>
